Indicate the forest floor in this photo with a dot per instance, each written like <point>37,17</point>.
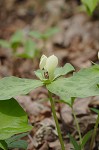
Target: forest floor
<point>77,42</point>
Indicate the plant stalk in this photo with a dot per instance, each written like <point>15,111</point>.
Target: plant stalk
<point>56,121</point>
<point>77,125</point>
<point>94,133</point>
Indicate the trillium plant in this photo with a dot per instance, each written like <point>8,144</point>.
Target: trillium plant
<point>82,84</point>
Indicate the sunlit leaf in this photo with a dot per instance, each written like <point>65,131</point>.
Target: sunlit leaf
<point>90,5</point>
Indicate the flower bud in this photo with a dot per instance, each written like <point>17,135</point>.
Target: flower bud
<point>49,64</point>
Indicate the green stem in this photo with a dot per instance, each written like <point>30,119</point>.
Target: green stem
<point>56,121</point>
<point>77,125</point>
<point>94,133</point>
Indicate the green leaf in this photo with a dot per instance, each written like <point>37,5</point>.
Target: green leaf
<point>63,70</point>
<point>13,86</point>
<point>14,46</point>
<point>69,102</point>
<point>81,84</point>
<point>23,55</point>
<point>18,144</point>
<point>50,32</point>
<point>75,144</point>
<point>17,37</point>
<point>15,142</point>
<point>4,44</point>
<point>30,49</point>
<point>15,138</point>
<point>39,73</point>
<point>86,138</point>
<point>35,34</point>
<point>90,5</point>
<point>3,145</point>
<point>13,119</point>
<point>95,110</point>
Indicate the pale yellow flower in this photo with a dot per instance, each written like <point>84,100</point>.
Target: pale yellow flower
<point>49,64</point>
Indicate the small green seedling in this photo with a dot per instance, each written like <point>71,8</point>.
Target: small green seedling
<point>82,84</point>
<point>17,40</point>
<point>45,35</point>
<point>30,50</point>
<point>80,146</point>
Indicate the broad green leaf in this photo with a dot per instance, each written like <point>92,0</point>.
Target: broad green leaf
<point>13,86</point>
<point>13,119</point>
<point>4,44</point>
<point>86,138</point>
<point>18,144</point>
<point>63,70</point>
<point>3,145</point>
<point>74,143</point>
<point>81,84</point>
<point>15,138</point>
<point>90,5</point>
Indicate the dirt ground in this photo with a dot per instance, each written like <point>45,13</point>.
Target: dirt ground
<point>77,42</point>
